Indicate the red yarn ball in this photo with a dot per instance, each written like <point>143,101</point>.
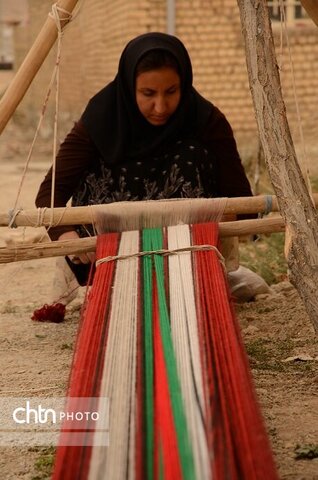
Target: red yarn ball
<point>50,313</point>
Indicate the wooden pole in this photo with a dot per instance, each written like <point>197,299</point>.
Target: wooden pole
<point>31,64</point>
<point>82,245</point>
<point>135,214</point>
<point>126,212</point>
<point>292,195</point>
<point>151,213</point>
<point>311,7</point>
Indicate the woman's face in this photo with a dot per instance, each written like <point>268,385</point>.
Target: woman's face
<point>158,94</point>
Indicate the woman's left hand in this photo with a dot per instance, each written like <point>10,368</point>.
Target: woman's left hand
<point>85,258</point>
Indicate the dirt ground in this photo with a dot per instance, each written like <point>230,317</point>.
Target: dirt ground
<point>35,357</point>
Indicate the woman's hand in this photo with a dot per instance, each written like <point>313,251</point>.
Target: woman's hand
<point>86,258</point>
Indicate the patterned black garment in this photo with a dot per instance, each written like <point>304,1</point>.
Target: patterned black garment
<point>186,171</point>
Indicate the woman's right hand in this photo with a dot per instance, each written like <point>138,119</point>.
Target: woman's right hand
<point>85,258</point>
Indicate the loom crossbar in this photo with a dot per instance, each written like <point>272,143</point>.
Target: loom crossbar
<point>141,214</point>
<point>76,247</point>
<point>187,210</point>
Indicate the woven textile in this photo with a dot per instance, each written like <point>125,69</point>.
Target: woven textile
<point>160,339</point>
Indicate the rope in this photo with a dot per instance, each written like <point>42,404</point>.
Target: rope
<point>299,121</point>
<point>40,221</point>
<point>44,107</point>
<point>40,218</point>
<point>268,204</point>
<point>163,252</point>
<point>12,214</point>
<point>58,19</point>
<point>61,21</point>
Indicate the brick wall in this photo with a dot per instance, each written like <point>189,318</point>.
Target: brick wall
<point>25,34</point>
<point>299,77</point>
<point>211,31</point>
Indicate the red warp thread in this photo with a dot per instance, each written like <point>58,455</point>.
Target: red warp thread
<point>165,433</point>
<point>50,313</point>
<point>87,368</point>
<point>239,441</point>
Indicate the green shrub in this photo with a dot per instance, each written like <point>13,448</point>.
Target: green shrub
<point>265,256</point>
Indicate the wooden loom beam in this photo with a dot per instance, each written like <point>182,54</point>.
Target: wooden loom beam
<point>289,185</point>
<point>31,64</point>
<point>86,215</point>
<point>82,245</point>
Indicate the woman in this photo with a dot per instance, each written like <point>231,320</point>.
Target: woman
<point>147,135</point>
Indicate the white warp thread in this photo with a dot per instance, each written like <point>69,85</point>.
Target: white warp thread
<point>184,330</point>
<point>119,371</point>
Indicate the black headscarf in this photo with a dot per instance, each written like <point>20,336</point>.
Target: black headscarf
<point>113,120</point>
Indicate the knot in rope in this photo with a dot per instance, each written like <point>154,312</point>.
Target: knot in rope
<point>60,16</point>
<point>40,217</point>
<point>12,214</point>
<point>268,204</point>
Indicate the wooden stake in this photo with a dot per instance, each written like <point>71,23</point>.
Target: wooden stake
<point>82,245</point>
<point>29,68</point>
<point>293,197</point>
